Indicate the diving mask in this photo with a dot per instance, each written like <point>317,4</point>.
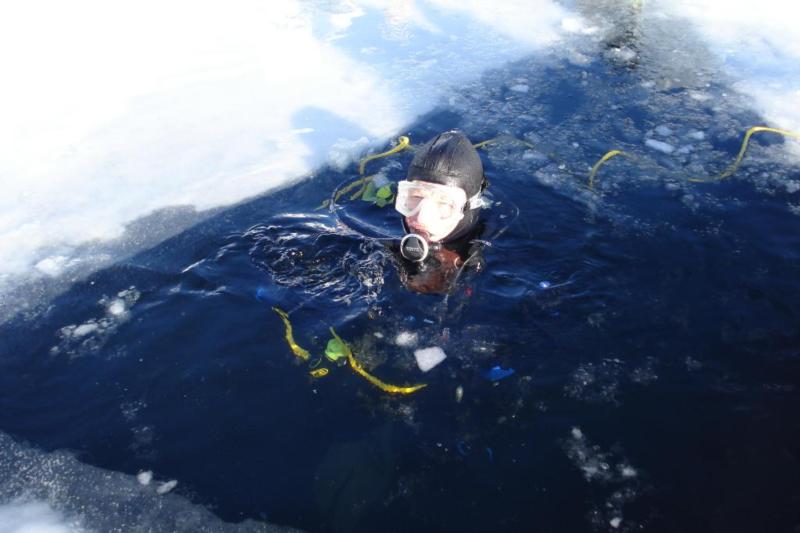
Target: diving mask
<point>441,201</point>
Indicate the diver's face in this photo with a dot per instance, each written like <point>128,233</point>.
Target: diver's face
<point>436,216</point>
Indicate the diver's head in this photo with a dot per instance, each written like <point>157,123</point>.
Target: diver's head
<point>440,199</point>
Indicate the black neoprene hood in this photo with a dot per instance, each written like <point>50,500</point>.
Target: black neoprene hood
<point>450,159</point>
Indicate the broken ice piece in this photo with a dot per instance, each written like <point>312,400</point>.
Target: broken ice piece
<point>166,487</point>
<point>428,358</point>
<point>145,477</point>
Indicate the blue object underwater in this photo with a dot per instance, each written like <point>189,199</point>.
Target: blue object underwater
<point>496,373</point>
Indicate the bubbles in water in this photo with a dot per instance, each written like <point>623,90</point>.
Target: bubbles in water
<point>607,469</point>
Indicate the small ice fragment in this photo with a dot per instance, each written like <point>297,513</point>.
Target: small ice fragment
<point>166,487</point>
<point>459,393</point>
<point>85,329</point>
<point>664,131</point>
<point>660,146</point>
<point>428,321</point>
<point>406,339</point>
<point>116,307</point>
<point>378,335</point>
<point>145,477</point>
<point>544,284</point>
<point>615,522</point>
<point>519,88</point>
<point>428,358</point>
<point>577,433</point>
<point>628,471</point>
<point>697,135</point>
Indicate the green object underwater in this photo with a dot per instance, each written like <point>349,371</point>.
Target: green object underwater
<point>378,191</point>
<point>336,349</point>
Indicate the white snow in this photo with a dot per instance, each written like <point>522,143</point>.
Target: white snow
<point>34,517</point>
<point>145,477</point>
<point>428,358</point>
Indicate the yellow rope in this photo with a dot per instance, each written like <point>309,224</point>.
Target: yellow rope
<point>319,373</point>
<point>355,365</point>
<point>302,353</point>
<point>494,140</point>
<point>735,165</point>
<point>602,160</point>
<point>402,143</point>
<point>385,387</point>
<point>732,168</point>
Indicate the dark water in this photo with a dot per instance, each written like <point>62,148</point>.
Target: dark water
<point>657,368</point>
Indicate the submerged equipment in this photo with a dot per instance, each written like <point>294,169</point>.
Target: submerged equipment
<point>339,348</point>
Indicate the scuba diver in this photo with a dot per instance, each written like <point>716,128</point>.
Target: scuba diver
<point>440,201</point>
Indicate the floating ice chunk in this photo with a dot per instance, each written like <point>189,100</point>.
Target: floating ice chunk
<point>615,522</point>
<point>520,88</point>
<point>166,487</point>
<point>627,471</point>
<point>696,135</point>
<point>85,329</point>
<point>116,307</point>
<point>145,477</point>
<point>577,433</point>
<point>428,358</point>
<point>664,131</point>
<point>660,146</point>
<point>700,97</point>
<point>406,339</point>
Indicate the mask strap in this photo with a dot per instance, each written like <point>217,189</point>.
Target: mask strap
<point>476,201</point>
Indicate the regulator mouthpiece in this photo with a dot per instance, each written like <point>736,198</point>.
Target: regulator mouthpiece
<point>414,247</point>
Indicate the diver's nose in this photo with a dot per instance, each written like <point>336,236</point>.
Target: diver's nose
<point>427,213</point>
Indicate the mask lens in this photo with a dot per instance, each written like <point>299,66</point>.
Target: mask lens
<point>440,201</point>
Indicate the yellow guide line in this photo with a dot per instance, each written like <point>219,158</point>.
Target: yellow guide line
<point>732,168</point>
<point>402,143</point>
<point>355,365</point>
<point>597,165</point>
<point>319,373</point>
<point>385,387</point>
<point>735,165</point>
<point>302,353</point>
